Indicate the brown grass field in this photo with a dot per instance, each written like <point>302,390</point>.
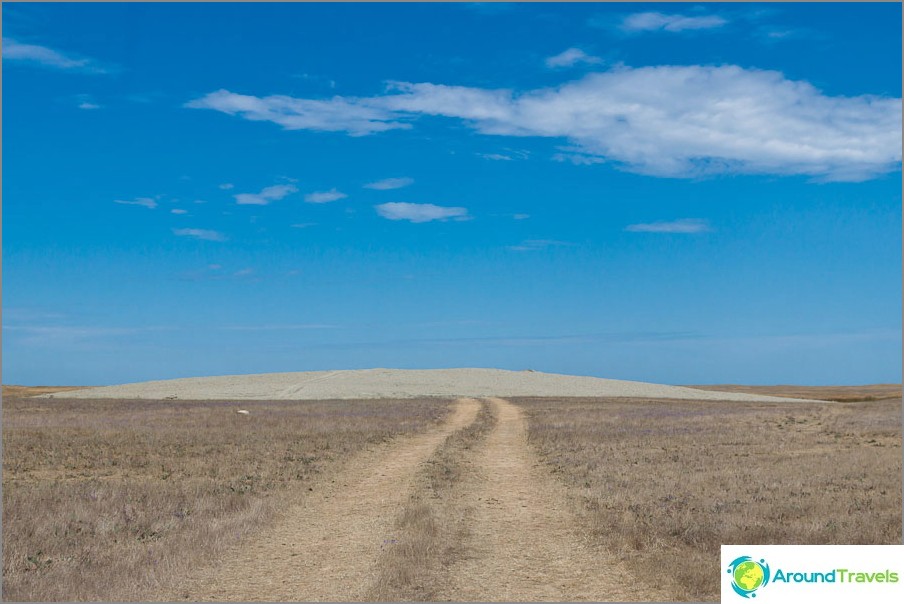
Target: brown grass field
<point>119,499</point>
<point>665,483</point>
<point>110,500</point>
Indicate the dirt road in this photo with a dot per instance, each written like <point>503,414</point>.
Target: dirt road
<point>327,548</point>
<point>523,541</point>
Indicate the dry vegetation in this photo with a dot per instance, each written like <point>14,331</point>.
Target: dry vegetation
<point>846,394</point>
<point>432,527</point>
<point>110,500</point>
<point>664,483</point>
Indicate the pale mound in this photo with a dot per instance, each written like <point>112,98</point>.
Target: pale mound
<point>400,383</point>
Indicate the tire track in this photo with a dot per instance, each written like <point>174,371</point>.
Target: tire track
<point>328,547</point>
<point>525,544</point>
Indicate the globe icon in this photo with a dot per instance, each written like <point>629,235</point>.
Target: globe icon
<point>748,575</point>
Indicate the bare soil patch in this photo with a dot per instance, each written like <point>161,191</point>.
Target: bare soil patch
<point>114,500</point>
<point>12,391</point>
<point>664,483</point>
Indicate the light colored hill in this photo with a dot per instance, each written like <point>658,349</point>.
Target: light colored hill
<point>400,383</point>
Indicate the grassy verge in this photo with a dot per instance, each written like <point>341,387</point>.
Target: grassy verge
<point>113,500</point>
<point>664,483</point>
<point>432,526</point>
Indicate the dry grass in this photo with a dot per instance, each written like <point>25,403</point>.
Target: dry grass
<point>846,394</point>
<point>664,483</point>
<point>433,525</point>
<point>113,500</point>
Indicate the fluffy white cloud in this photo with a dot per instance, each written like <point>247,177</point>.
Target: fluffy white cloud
<point>355,116</point>
<point>684,225</point>
<point>324,196</point>
<point>203,234</point>
<point>390,183</point>
<point>420,212</point>
<point>571,57</point>
<point>48,57</point>
<point>266,196</point>
<point>672,121</point>
<point>653,21</point>
<point>146,202</point>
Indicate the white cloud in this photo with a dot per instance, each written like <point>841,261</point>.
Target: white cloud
<point>684,225</point>
<point>571,57</point>
<point>676,121</point>
<point>88,105</point>
<point>533,245</point>
<point>339,114</point>
<point>266,196</point>
<point>653,21</point>
<point>420,212</point>
<point>577,158</point>
<point>324,196</point>
<point>48,57</point>
<point>303,225</point>
<point>227,185</point>
<point>521,216</point>
<point>146,202</point>
<point>496,156</point>
<point>390,183</point>
<point>178,211</point>
<point>203,234</point>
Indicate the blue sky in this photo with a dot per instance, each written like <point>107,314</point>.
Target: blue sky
<point>679,193</point>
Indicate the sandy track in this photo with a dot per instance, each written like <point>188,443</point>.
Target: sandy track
<point>327,547</point>
<point>525,544</point>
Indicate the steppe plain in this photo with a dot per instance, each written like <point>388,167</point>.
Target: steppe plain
<point>464,485</point>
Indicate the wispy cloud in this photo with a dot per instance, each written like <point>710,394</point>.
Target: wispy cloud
<point>520,216</point>
<point>355,116</point>
<point>420,212</point>
<point>324,196</point>
<point>578,158</point>
<point>203,234</point>
<point>390,183</point>
<point>178,211</point>
<point>506,155</point>
<point>145,202</point>
<point>303,225</point>
<point>68,335</point>
<point>85,101</point>
<point>572,57</point>
<point>281,327</point>
<point>533,245</point>
<point>684,225</point>
<point>267,195</point>
<point>654,21</point>
<point>48,57</point>
<point>227,186</point>
<point>667,121</point>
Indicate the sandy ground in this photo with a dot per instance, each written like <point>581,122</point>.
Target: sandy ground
<point>326,548</point>
<point>399,383</point>
<point>525,544</point>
